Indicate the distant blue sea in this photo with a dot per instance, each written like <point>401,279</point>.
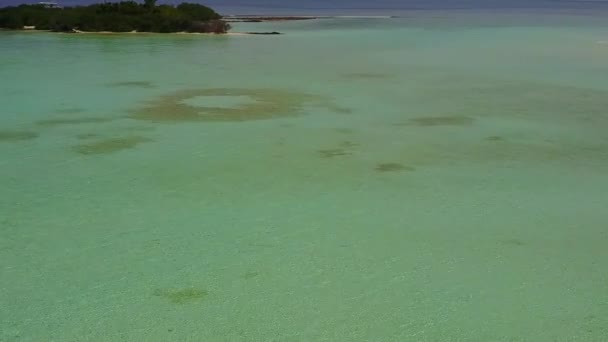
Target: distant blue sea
<point>368,7</point>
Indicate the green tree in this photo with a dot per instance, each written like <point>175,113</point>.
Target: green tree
<point>116,17</point>
<point>149,4</point>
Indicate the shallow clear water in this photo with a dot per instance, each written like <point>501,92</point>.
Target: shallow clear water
<point>434,178</point>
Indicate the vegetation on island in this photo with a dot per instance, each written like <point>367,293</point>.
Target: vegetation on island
<point>125,16</point>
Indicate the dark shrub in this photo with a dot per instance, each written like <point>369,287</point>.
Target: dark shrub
<point>122,16</point>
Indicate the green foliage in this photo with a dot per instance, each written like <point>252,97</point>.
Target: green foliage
<point>198,12</point>
<point>122,16</point>
<point>149,3</point>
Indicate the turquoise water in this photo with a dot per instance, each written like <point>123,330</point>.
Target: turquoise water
<point>434,178</point>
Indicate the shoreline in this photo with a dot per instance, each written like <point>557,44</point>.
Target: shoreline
<point>155,33</point>
<point>227,19</point>
<point>78,32</point>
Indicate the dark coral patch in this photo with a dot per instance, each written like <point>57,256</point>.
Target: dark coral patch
<point>70,110</point>
<point>393,167</point>
<point>110,145</point>
<point>133,84</point>
<point>366,76</point>
<point>182,296</point>
<point>12,136</point>
<point>73,121</point>
<point>334,152</point>
<point>432,121</point>
<point>443,121</point>
<point>85,136</point>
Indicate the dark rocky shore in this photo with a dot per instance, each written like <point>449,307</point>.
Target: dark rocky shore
<point>265,33</point>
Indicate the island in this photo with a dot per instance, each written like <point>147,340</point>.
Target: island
<point>125,16</point>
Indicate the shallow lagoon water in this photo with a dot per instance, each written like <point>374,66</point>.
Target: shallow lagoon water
<point>434,178</point>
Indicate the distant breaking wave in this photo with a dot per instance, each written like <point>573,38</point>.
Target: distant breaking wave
<point>365,16</point>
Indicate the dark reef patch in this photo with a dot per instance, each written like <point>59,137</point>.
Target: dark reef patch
<point>70,110</point>
<point>133,84</point>
<point>250,275</point>
<point>512,242</point>
<point>393,167</point>
<point>432,121</point>
<point>349,144</point>
<point>365,76</point>
<point>345,148</point>
<point>339,109</point>
<point>139,128</point>
<point>343,130</point>
<point>73,121</point>
<point>334,152</point>
<point>85,136</point>
<point>182,296</point>
<point>13,136</point>
<point>110,145</point>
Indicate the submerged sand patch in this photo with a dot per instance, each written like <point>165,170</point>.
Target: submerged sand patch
<point>190,105</point>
